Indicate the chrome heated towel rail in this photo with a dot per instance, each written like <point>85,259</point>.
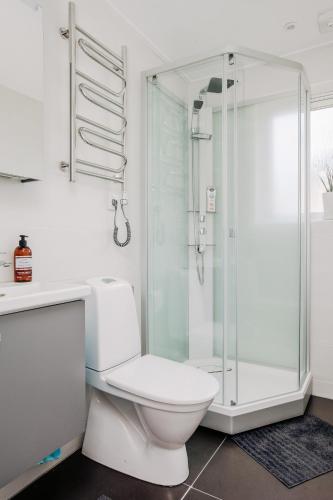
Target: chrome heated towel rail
<point>110,140</point>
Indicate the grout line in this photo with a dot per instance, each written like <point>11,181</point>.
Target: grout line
<point>205,493</point>
<point>208,462</point>
<point>190,487</point>
<point>200,491</point>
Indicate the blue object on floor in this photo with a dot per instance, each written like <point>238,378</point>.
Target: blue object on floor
<point>52,456</point>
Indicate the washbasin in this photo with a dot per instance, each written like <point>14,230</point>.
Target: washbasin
<point>16,289</point>
<point>16,297</point>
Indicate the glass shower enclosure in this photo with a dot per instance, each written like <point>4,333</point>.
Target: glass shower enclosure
<point>226,250</point>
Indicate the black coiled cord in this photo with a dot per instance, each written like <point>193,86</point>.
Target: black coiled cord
<point>127,224</point>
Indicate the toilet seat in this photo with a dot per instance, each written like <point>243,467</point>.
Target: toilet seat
<point>163,381</point>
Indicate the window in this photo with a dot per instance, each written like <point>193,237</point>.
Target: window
<point>321,151</point>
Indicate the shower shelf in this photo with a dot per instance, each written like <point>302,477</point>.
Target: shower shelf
<point>198,211</point>
<point>207,245</point>
<point>98,94</point>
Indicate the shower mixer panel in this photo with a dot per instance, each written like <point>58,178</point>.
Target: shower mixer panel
<point>211,199</point>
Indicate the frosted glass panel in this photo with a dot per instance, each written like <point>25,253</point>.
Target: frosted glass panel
<point>268,245</point>
<point>167,225</point>
<point>268,259</point>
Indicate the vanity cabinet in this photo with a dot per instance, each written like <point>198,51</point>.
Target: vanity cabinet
<point>42,384</point>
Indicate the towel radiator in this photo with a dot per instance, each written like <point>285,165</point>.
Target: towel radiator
<point>96,135</point>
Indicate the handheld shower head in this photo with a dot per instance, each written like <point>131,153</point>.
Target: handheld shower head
<point>197,105</point>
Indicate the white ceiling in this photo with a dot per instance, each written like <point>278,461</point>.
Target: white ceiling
<point>181,28</point>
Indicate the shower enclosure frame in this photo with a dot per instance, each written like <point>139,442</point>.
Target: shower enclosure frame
<point>234,419</point>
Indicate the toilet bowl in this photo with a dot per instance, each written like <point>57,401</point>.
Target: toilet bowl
<point>143,409</point>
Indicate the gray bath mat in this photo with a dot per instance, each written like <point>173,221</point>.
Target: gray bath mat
<point>294,451</point>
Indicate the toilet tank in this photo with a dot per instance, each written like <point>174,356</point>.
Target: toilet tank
<point>112,330</point>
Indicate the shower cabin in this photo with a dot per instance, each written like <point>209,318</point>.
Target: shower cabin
<point>227,234</point>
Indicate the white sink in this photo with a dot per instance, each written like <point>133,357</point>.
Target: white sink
<point>21,296</point>
<point>15,289</point>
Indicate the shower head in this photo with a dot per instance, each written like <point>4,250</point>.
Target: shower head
<point>215,86</point>
<point>196,134</point>
<point>197,105</point>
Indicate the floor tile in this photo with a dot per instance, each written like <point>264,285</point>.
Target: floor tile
<point>79,478</point>
<point>233,475</point>
<point>199,495</point>
<point>322,408</point>
<point>200,448</point>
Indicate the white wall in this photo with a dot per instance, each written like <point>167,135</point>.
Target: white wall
<point>322,308</point>
<point>69,227</point>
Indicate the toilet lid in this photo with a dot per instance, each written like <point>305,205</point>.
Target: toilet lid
<point>159,379</point>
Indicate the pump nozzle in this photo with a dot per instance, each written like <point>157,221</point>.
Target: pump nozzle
<point>23,242</point>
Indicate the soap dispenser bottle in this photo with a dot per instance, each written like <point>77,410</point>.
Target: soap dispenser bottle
<point>22,261</point>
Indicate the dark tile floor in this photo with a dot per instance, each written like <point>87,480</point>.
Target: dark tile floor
<point>218,469</point>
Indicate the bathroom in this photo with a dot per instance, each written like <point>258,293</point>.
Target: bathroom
<point>247,76</point>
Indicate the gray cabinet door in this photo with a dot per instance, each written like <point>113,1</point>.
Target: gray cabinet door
<point>42,384</point>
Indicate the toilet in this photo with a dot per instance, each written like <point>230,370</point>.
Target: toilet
<point>142,409</point>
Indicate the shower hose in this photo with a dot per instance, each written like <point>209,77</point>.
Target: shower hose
<point>127,224</point>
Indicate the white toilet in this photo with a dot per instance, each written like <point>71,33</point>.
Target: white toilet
<point>143,408</point>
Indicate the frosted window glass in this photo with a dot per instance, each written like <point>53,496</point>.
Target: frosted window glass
<point>321,152</point>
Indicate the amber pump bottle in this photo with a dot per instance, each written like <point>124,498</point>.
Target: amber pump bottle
<point>22,261</point>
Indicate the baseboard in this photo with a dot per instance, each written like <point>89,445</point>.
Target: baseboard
<point>322,388</point>
<point>14,487</point>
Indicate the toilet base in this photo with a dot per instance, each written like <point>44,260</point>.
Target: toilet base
<point>115,437</point>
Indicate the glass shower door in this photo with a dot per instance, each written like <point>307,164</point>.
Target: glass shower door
<point>167,223</point>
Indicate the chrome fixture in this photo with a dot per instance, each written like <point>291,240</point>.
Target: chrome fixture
<point>3,263</point>
<point>290,26</point>
<point>201,136</point>
<point>103,96</point>
<point>214,86</point>
<point>325,21</point>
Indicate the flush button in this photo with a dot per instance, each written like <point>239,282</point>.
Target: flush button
<point>107,281</point>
